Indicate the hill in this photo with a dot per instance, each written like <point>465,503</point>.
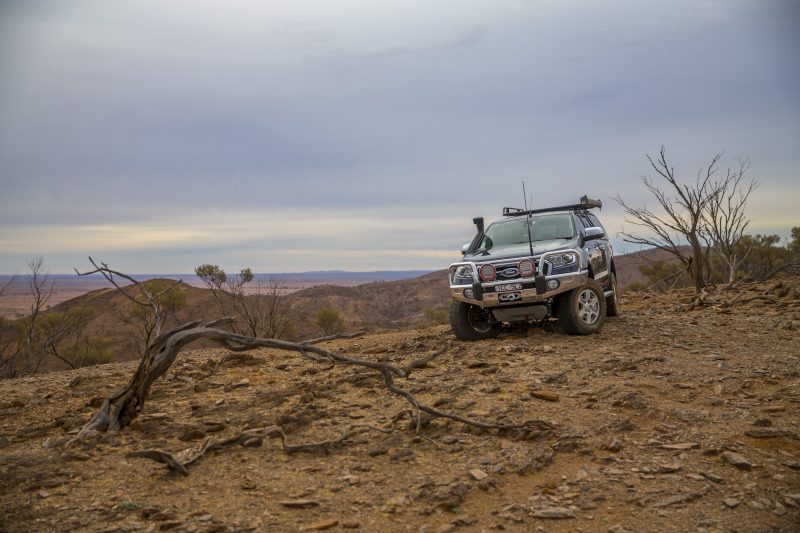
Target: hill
<point>379,305</point>
<point>674,418</point>
<point>372,306</point>
<point>375,306</point>
<point>628,264</point>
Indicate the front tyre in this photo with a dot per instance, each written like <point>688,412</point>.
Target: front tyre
<point>471,323</point>
<point>582,311</point>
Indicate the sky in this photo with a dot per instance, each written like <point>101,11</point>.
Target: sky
<point>289,136</point>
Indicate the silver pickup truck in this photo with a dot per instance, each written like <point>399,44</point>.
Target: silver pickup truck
<point>531,265</point>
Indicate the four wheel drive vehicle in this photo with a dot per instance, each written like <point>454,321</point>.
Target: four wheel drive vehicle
<point>531,265</point>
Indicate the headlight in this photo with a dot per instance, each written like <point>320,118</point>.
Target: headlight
<point>563,259</point>
<point>464,271</point>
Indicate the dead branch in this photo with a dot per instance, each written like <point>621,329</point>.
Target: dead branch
<point>122,407</point>
<point>251,437</point>
<point>423,361</point>
<point>789,267</point>
<point>151,300</point>
<point>334,337</point>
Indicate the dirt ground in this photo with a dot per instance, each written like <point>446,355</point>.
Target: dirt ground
<point>671,419</point>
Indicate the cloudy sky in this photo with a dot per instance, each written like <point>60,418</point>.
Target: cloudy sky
<point>312,135</point>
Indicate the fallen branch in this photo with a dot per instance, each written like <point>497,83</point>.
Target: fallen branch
<point>122,407</point>
<point>252,438</point>
<point>333,337</point>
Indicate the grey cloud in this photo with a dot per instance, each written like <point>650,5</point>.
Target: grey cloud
<point>123,114</point>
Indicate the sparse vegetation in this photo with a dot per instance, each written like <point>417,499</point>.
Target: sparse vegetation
<point>119,409</point>
<point>436,316</point>
<point>330,320</point>
<point>663,275</point>
<point>702,225</point>
<point>761,257</point>
<point>262,313</point>
<point>654,378</point>
<point>705,215</point>
<point>87,352</point>
<point>75,347</point>
<point>170,297</point>
<point>26,342</point>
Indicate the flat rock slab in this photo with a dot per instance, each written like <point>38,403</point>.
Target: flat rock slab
<point>545,395</point>
<point>299,504</point>
<point>321,526</point>
<point>769,433</point>
<point>730,502</point>
<point>739,461</point>
<point>554,513</point>
<point>681,446</point>
<point>478,474</point>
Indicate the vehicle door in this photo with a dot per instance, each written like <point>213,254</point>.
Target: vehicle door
<point>595,248</point>
<point>604,244</point>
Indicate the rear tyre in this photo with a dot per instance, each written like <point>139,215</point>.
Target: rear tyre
<point>471,323</point>
<point>612,302</point>
<point>582,311</point>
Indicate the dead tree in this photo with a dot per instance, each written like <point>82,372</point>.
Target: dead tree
<point>41,290</point>
<point>148,300</point>
<point>24,347</point>
<point>5,335</point>
<point>262,312</point>
<point>122,407</point>
<point>680,221</point>
<point>725,219</point>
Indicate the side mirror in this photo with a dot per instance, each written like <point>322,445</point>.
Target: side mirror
<point>464,249</point>
<point>593,233</point>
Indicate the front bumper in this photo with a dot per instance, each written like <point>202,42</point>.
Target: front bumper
<point>518,291</point>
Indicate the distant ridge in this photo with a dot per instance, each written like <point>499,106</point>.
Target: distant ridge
<point>313,275</point>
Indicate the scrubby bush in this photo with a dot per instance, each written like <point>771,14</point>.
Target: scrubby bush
<point>436,316</point>
<point>261,311</point>
<point>330,320</point>
<point>87,352</point>
<point>171,298</point>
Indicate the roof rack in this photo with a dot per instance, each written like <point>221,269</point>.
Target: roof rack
<point>586,203</point>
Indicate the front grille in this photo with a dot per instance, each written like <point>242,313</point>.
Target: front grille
<point>508,271</point>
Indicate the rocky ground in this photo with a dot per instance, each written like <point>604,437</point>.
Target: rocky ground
<point>675,418</point>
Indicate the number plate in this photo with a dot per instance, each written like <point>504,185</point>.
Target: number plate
<point>508,287</point>
<point>509,297</point>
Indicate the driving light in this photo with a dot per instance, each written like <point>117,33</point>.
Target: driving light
<point>526,268</point>
<point>488,273</point>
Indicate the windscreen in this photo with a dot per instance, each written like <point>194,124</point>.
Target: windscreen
<point>515,231</point>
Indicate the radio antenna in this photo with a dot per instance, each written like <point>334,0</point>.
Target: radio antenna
<point>527,222</point>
